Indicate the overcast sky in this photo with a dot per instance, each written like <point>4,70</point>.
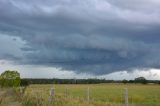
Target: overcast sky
<point>81,38</point>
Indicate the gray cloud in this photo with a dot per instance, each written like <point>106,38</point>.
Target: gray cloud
<point>84,36</point>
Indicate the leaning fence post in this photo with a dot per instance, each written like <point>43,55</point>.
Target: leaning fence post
<point>126,97</point>
<point>88,94</point>
<point>52,93</point>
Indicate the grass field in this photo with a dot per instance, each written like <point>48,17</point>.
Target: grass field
<point>100,95</point>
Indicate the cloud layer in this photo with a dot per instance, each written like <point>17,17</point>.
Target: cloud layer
<point>91,36</point>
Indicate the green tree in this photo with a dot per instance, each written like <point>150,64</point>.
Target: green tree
<point>125,81</point>
<point>141,80</point>
<point>10,79</point>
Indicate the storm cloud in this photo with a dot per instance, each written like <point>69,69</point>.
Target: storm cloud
<point>90,36</point>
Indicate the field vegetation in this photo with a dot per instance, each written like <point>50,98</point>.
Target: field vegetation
<point>81,92</point>
<point>76,95</point>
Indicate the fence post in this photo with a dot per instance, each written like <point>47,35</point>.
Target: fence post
<point>66,91</point>
<point>52,93</point>
<point>126,97</point>
<point>88,94</point>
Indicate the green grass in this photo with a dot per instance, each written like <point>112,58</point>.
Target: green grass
<point>100,94</point>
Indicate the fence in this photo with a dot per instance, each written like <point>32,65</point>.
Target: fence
<point>90,95</point>
<point>122,96</point>
<point>52,94</point>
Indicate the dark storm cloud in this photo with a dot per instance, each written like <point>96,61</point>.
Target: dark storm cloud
<point>94,36</point>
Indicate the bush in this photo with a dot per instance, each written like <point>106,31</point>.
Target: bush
<point>10,79</point>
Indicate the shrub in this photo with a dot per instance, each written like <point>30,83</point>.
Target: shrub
<point>10,79</point>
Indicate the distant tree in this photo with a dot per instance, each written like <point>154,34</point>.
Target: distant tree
<point>131,81</point>
<point>124,81</point>
<point>24,82</point>
<point>141,80</point>
<point>10,79</point>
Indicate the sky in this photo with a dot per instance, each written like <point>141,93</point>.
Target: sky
<point>112,39</point>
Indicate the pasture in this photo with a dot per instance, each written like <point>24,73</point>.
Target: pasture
<point>77,95</point>
<point>100,94</point>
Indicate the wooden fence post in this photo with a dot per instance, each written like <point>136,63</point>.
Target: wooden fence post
<point>88,94</point>
<point>126,97</point>
<point>52,94</point>
<point>66,91</point>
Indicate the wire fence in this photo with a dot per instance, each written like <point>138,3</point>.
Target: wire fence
<point>122,97</point>
<point>125,98</point>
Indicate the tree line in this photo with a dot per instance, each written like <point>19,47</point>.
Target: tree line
<point>12,79</point>
<point>140,80</point>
